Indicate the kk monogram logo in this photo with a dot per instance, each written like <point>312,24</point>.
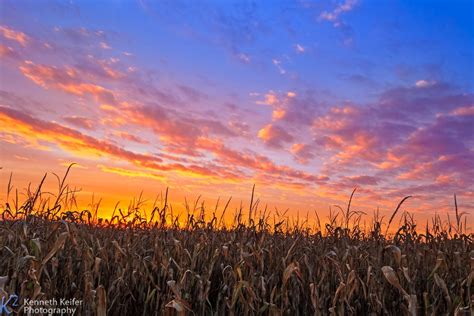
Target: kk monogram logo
<point>5,303</point>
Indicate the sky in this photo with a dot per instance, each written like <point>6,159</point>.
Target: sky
<point>305,99</point>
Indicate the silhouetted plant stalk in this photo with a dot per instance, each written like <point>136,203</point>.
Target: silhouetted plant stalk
<point>159,262</point>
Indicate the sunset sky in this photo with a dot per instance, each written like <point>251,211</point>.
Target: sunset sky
<point>305,99</point>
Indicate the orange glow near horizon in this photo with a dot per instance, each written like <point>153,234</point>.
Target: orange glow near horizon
<point>129,185</point>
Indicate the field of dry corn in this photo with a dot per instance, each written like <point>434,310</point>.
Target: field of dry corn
<point>136,266</point>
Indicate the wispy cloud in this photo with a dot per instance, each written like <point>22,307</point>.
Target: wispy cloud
<point>334,15</point>
<point>67,80</point>
<point>132,173</point>
<point>424,83</point>
<point>277,63</point>
<point>300,49</point>
<point>14,35</point>
<point>303,153</point>
<point>80,121</point>
<point>8,52</point>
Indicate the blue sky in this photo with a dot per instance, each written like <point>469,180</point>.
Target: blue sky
<point>379,43</point>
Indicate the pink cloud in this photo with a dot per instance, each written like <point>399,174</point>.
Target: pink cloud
<point>464,110</point>
<point>80,121</point>
<point>274,136</point>
<point>14,35</point>
<point>8,52</point>
<point>130,137</point>
<point>302,152</point>
<point>66,79</point>
<point>333,16</point>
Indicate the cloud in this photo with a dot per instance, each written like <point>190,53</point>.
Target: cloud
<point>93,68</point>
<point>292,109</point>
<point>256,162</point>
<point>302,152</point>
<point>368,134</point>
<point>464,110</point>
<point>191,94</point>
<point>177,130</point>
<point>104,45</point>
<point>228,165</point>
<point>130,137</point>
<point>274,136</point>
<point>66,79</point>
<point>409,138</point>
<point>299,48</point>
<point>363,180</point>
<point>8,52</point>
<point>334,15</point>
<point>277,63</point>
<point>15,36</point>
<point>279,103</point>
<point>88,76</point>
<point>36,131</point>
<point>166,116</point>
<point>132,173</point>
<point>13,100</point>
<point>80,121</point>
<point>244,58</point>
<point>69,139</point>
<point>82,36</point>
<point>348,134</point>
<point>425,83</point>
<point>411,104</point>
<point>439,150</point>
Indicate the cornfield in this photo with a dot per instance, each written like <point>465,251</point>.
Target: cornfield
<point>134,264</point>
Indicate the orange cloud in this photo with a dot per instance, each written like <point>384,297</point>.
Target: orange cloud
<point>361,146</point>
<point>65,79</point>
<point>71,140</point>
<point>265,133</point>
<point>256,162</point>
<point>392,161</point>
<point>270,99</point>
<point>16,36</point>
<point>337,119</point>
<point>35,130</point>
<point>6,51</point>
<point>278,104</point>
<point>76,165</point>
<point>274,136</point>
<point>129,137</point>
<point>80,121</point>
<point>464,111</point>
<point>302,152</point>
<point>94,68</point>
<point>180,134</point>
